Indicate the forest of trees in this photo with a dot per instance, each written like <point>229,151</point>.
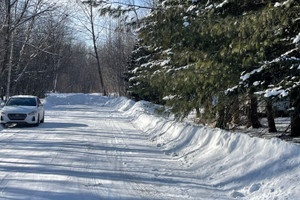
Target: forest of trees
<point>221,59</point>
<point>40,51</point>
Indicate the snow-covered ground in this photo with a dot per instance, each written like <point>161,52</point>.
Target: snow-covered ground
<point>93,147</point>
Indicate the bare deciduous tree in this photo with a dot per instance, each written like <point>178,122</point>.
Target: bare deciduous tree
<point>16,14</point>
<point>88,10</point>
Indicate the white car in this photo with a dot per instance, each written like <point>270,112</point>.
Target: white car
<point>22,110</point>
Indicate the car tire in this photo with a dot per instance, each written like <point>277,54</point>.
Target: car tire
<point>38,122</point>
<point>42,121</point>
<point>4,125</point>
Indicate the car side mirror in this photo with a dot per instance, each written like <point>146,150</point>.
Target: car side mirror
<point>2,104</point>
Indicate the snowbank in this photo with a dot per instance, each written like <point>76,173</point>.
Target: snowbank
<point>253,168</point>
<point>1,128</point>
<point>54,99</point>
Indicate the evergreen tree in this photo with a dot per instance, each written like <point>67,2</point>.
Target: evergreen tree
<point>277,75</point>
<point>190,52</point>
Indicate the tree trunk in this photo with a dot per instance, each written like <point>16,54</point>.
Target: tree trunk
<point>221,120</point>
<point>252,112</point>
<point>96,51</point>
<point>10,63</point>
<point>295,124</point>
<point>22,52</point>
<point>236,111</point>
<point>295,114</point>
<point>198,113</point>
<point>270,117</point>
<point>56,68</point>
<point>7,36</point>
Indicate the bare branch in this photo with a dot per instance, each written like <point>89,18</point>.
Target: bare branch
<point>42,50</point>
<point>122,4</point>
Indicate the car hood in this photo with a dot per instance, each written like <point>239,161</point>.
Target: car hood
<point>19,109</point>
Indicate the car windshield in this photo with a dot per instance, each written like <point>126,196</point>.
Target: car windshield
<point>21,102</point>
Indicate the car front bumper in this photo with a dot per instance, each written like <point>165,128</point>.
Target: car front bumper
<point>18,118</point>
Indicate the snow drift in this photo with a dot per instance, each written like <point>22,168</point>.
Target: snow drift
<point>253,167</point>
<point>54,99</point>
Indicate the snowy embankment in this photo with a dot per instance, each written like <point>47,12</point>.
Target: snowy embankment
<point>57,99</point>
<point>254,168</point>
<point>0,108</point>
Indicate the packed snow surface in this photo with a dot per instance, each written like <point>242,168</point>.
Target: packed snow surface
<point>93,147</point>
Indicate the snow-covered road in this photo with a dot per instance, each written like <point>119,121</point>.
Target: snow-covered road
<point>88,152</point>
<point>94,151</point>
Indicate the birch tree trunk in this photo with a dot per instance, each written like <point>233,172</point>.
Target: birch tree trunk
<point>26,40</point>
<point>10,63</point>
<point>7,36</point>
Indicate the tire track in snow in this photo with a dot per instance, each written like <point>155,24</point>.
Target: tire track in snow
<point>11,136</point>
<point>145,191</point>
<point>6,141</point>
<point>3,183</point>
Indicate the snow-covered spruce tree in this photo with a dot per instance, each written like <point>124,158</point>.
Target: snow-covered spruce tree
<point>166,31</point>
<point>140,70</point>
<point>150,59</point>
<point>212,43</point>
<point>278,79</point>
<point>201,63</point>
<point>204,61</point>
<point>248,47</point>
<point>276,73</point>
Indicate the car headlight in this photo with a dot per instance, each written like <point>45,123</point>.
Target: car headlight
<point>3,113</point>
<point>32,113</point>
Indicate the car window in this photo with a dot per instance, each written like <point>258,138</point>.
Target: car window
<point>21,102</point>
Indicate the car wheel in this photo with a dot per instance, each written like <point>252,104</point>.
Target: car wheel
<point>42,121</point>
<point>38,121</point>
